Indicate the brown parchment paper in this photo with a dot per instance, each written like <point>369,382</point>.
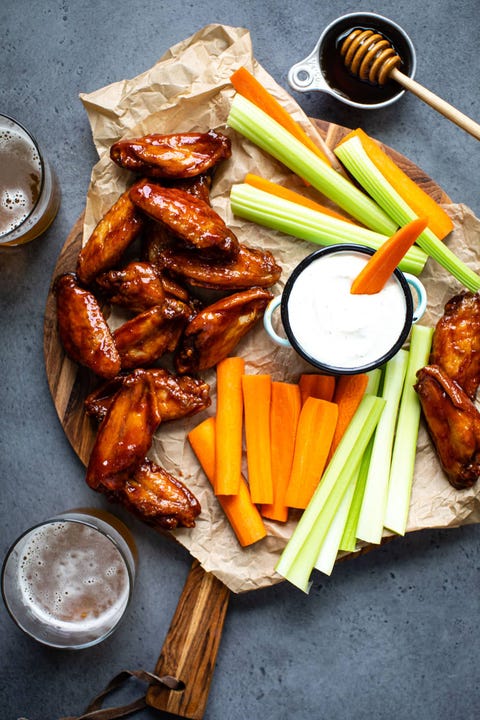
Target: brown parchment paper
<point>188,89</point>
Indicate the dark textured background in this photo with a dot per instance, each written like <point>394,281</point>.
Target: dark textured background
<point>393,634</point>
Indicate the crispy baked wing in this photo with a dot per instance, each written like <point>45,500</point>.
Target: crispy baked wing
<point>137,286</point>
<point>112,235</point>
<point>83,329</point>
<point>145,338</point>
<point>176,155</point>
<point>456,341</point>
<point>252,268</point>
<point>158,497</point>
<point>217,329</point>
<point>125,435</point>
<point>176,396</point>
<point>453,422</point>
<point>187,218</point>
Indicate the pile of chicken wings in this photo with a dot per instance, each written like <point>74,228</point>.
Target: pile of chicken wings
<point>158,253</point>
<point>447,389</point>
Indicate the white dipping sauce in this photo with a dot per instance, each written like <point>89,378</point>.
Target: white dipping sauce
<point>337,328</point>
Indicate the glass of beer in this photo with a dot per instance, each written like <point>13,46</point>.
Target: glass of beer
<point>68,581</point>
<point>29,194</point>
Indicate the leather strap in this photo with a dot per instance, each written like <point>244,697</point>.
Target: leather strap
<point>95,711</point>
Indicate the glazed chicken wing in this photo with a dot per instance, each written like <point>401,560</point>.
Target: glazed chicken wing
<point>252,268</point>
<point>178,155</point>
<point>146,337</point>
<point>453,422</point>
<point>83,329</point>
<point>125,435</point>
<point>176,396</point>
<point>137,286</point>
<point>113,234</point>
<point>456,341</point>
<point>187,218</point>
<point>158,497</point>
<point>215,331</point>
<point>118,466</point>
<point>199,186</point>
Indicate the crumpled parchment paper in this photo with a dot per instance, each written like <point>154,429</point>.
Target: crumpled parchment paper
<point>188,89</point>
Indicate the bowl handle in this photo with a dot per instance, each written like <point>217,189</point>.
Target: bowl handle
<point>421,295</point>
<point>267,322</point>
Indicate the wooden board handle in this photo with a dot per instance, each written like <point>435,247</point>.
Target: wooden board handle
<point>191,645</point>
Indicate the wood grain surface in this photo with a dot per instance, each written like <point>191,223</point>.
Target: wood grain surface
<point>191,645</point>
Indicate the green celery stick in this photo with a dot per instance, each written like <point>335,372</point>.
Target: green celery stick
<point>356,160</point>
<point>314,226</point>
<point>405,446</point>
<point>258,127</point>
<point>349,538</point>
<point>372,513</point>
<point>331,544</point>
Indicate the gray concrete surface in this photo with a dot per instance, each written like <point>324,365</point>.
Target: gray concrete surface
<point>393,634</point>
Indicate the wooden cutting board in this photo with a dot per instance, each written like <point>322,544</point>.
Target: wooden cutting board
<point>192,642</point>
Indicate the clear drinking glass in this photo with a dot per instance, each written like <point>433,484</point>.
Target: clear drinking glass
<point>68,581</point>
<point>29,193</point>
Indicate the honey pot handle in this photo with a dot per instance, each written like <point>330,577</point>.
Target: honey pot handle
<point>191,645</point>
<point>437,103</point>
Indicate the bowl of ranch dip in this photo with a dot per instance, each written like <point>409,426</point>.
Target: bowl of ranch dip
<point>339,332</point>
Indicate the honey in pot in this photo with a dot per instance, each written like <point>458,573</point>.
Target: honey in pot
<point>342,80</point>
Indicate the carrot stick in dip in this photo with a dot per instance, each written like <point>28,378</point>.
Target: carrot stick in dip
<point>379,268</point>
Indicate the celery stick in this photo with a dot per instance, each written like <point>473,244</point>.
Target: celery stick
<point>330,546</point>
<point>279,214</point>
<point>249,120</point>
<point>372,513</point>
<point>405,446</point>
<point>349,537</point>
<point>373,382</point>
<point>301,552</point>
<point>348,540</point>
<point>356,160</point>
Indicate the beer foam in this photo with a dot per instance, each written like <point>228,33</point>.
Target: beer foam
<point>20,178</point>
<point>72,577</point>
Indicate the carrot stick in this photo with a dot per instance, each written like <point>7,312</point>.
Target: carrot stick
<point>287,194</point>
<point>228,456</point>
<point>349,391</point>
<point>373,276</point>
<point>318,386</point>
<point>284,413</point>
<point>248,86</point>
<point>315,431</point>
<point>257,390</point>
<point>421,203</point>
<point>242,514</point>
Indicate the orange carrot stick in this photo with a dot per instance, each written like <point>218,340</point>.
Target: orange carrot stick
<point>280,191</point>
<point>315,431</point>
<point>349,390</point>
<point>257,391</point>
<point>421,203</point>
<point>373,276</point>
<point>248,86</point>
<point>284,413</point>
<point>242,514</point>
<point>228,455</point>
<point>318,386</point>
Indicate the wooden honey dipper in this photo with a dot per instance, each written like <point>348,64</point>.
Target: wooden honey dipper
<point>370,56</point>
